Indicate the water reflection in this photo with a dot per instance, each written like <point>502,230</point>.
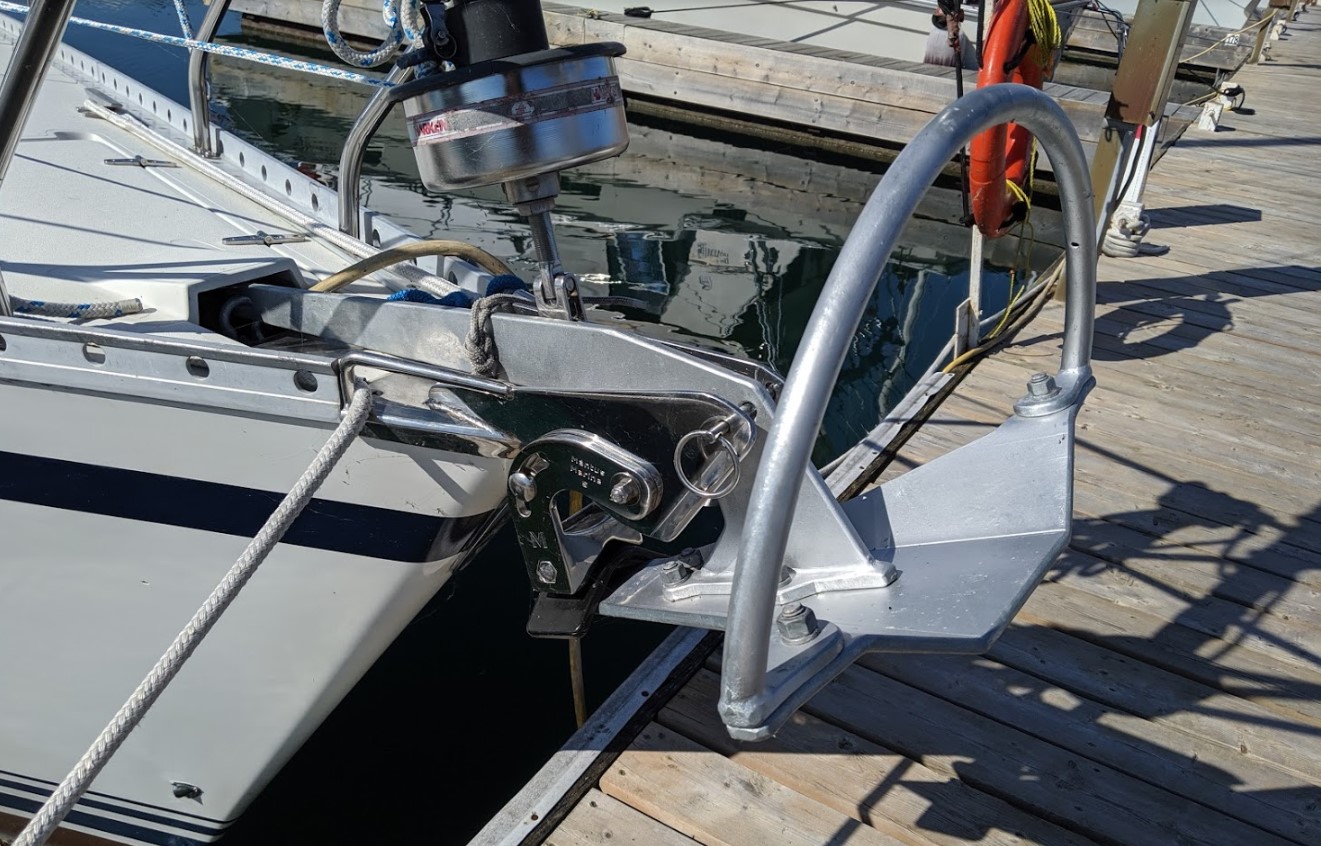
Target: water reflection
<point>721,243</point>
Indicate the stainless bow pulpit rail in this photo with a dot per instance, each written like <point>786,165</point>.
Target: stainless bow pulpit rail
<point>937,560</point>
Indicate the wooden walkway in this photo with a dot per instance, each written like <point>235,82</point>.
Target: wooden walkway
<point>1164,685</point>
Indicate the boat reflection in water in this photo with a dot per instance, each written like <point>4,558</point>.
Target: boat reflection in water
<point>732,245</point>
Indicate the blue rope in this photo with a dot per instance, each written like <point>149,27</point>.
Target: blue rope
<point>88,311</point>
<point>454,299</point>
<point>506,283</point>
<point>245,53</point>
<point>185,23</point>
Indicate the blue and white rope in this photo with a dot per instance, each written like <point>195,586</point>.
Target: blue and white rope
<point>403,22</point>
<point>185,23</point>
<point>76,311</point>
<point>245,53</point>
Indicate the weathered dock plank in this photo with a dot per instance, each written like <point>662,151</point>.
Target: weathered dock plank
<point>703,794</point>
<point>600,820</point>
<point>841,769</point>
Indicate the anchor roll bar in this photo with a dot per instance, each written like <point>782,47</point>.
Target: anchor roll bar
<point>834,321</point>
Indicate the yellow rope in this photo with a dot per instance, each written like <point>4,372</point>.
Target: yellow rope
<point>1257,25</point>
<point>1046,28</point>
<point>1019,194</point>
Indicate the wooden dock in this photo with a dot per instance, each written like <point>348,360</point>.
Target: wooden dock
<point>799,93</point>
<point>1163,686</point>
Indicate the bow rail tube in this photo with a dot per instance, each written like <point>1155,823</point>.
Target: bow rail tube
<point>835,320</point>
<point>199,94</point>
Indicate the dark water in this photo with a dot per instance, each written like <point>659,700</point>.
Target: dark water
<point>725,243</point>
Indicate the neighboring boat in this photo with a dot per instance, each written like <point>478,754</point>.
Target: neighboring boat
<point>170,364</point>
<point>887,29</point>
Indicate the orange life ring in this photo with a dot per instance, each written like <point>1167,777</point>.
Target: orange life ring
<point>1003,153</point>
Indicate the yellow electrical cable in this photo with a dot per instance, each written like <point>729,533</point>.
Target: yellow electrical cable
<point>991,341</point>
<point>414,249</point>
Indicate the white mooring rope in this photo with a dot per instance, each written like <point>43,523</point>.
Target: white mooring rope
<point>75,784</point>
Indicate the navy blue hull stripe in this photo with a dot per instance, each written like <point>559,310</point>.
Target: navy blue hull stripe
<point>28,806</point>
<point>114,802</point>
<point>40,794</point>
<point>365,530</point>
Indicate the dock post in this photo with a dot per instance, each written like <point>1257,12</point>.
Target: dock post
<point>1263,35</point>
<point>972,335</point>
<point>1140,92</point>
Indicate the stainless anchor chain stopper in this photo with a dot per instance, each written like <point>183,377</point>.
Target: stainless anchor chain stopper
<point>714,435</point>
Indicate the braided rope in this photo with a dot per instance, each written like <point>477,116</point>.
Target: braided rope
<point>185,23</point>
<point>75,784</point>
<point>1046,28</point>
<point>244,53</point>
<point>480,343</point>
<point>403,22</point>
<point>89,311</point>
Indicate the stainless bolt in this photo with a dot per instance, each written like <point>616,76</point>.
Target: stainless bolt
<point>523,486</point>
<point>546,573</point>
<point>797,623</point>
<point>626,490</point>
<point>1041,385</point>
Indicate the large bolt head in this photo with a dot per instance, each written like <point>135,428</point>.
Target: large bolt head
<point>523,487</point>
<point>546,573</point>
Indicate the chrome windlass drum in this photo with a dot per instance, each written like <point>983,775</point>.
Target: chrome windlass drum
<point>517,117</point>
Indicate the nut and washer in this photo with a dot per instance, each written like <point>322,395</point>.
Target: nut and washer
<point>796,623</point>
<point>626,490</point>
<point>674,572</point>
<point>1042,385</point>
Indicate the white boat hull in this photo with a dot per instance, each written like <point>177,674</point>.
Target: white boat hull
<point>117,526</point>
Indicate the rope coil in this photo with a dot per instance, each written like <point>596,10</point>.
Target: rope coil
<point>130,714</point>
<point>403,23</point>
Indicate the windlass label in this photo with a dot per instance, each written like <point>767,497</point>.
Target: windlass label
<point>514,111</point>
